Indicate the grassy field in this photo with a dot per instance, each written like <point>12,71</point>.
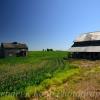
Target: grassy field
<point>24,76</point>
<point>45,76</point>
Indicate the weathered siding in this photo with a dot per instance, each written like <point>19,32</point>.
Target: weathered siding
<point>14,52</point>
<point>10,52</point>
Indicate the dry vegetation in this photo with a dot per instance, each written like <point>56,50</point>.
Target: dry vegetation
<point>82,86</point>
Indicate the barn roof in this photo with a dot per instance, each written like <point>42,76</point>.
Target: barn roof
<point>87,42</point>
<point>91,36</point>
<point>85,49</point>
<point>14,45</point>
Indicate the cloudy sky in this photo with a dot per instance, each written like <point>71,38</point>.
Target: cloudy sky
<point>47,23</point>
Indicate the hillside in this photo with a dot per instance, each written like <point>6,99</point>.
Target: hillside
<point>47,76</point>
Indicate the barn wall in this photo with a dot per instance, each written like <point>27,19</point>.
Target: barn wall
<point>10,52</point>
<point>86,55</point>
<point>13,52</point>
<point>1,52</point>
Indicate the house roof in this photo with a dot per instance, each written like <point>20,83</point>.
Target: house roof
<point>91,36</point>
<point>14,45</point>
<point>85,49</point>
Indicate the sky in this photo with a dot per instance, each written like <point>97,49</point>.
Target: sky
<point>45,24</point>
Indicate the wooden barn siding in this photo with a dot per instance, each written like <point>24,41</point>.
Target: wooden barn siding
<point>86,55</point>
<point>7,52</point>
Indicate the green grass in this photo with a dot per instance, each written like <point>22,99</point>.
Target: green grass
<point>8,98</point>
<point>19,73</point>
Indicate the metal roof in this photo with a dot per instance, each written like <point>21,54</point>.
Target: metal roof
<point>85,49</point>
<point>91,36</point>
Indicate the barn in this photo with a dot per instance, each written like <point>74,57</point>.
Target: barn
<point>13,49</point>
<point>86,46</point>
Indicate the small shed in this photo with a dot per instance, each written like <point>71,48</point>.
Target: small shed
<point>13,49</point>
<point>87,46</point>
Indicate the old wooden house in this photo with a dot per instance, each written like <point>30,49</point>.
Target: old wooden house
<point>86,46</point>
<point>13,49</point>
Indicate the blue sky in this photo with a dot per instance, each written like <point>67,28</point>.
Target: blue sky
<point>47,23</point>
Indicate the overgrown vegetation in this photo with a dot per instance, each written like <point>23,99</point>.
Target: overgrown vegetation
<point>38,69</point>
